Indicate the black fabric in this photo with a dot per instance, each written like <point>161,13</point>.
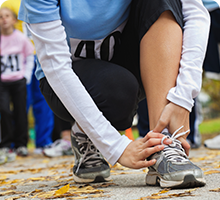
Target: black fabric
<point>212,59</point>
<point>114,90</point>
<point>14,128</point>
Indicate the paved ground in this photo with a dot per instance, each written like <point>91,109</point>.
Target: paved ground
<point>38,177</point>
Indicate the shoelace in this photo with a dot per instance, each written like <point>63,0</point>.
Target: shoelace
<point>174,151</point>
<point>91,154</point>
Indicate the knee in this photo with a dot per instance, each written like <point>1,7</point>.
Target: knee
<point>119,99</point>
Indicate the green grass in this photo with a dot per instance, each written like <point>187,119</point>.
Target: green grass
<point>210,126</point>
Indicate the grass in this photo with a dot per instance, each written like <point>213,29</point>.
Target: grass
<point>210,126</point>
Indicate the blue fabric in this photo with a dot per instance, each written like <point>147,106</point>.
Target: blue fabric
<point>211,4</point>
<point>43,115</point>
<point>82,19</point>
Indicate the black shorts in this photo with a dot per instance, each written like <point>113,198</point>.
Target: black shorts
<point>116,86</point>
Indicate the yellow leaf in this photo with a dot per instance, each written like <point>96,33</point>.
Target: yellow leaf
<point>215,190</point>
<point>37,179</point>
<point>212,172</point>
<point>45,161</point>
<point>9,192</point>
<point>3,177</point>
<point>63,190</point>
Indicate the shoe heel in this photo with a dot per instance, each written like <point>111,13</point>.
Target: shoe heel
<point>151,178</point>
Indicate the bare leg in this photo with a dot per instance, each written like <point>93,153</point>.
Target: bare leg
<point>160,52</point>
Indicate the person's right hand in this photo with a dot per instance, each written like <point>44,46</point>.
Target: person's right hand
<point>135,154</point>
<point>173,117</point>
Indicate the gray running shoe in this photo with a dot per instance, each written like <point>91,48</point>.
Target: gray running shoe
<point>173,169</point>
<point>90,166</point>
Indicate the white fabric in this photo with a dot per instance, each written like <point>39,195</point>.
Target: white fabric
<point>195,38</point>
<point>55,59</point>
<point>29,68</point>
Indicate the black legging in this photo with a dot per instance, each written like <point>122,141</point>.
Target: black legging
<point>114,89</point>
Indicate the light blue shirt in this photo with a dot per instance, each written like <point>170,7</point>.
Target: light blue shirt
<point>82,19</point>
<point>211,4</point>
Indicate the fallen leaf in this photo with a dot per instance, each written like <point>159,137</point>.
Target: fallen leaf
<point>63,190</point>
<point>155,196</point>
<point>9,192</point>
<point>212,172</point>
<point>215,190</point>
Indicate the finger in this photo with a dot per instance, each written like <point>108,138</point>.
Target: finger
<point>161,124</point>
<point>152,134</point>
<point>145,163</point>
<point>152,142</point>
<point>149,151</point>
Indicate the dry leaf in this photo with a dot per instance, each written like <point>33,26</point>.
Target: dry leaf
<point>155,196</point>
<point>63,190</point>
<point>212,172</point>
<point>9,192</point>
<point>215,190</point>
<point>12,198</point>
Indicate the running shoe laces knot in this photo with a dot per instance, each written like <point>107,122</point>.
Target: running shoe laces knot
<point>174,152</point>
<point>91,156</point>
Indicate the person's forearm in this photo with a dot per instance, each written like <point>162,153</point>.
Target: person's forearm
<point>195,38</point>
<point>53,54</point>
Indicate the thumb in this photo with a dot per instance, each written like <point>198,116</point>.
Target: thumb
<point>161,124</point>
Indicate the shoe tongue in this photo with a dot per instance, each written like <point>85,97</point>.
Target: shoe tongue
<point>167,134</point>
<point>177,144</point>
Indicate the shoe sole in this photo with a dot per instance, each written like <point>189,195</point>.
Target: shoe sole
<point>189,181</point>
<point>98,178</point>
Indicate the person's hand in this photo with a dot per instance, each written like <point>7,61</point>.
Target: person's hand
<point>173,117</point>
<point>135,154</point>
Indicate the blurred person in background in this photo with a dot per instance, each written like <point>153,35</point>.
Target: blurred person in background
<point>43,115</point>
<point>16,68</point>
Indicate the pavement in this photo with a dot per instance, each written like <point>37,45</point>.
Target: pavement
<point>39,177</point>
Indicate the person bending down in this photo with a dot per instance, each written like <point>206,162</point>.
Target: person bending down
<point>96,61</point>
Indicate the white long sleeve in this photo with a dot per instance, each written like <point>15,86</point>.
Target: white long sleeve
<point>195,37</point>
<point>54,56</point>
